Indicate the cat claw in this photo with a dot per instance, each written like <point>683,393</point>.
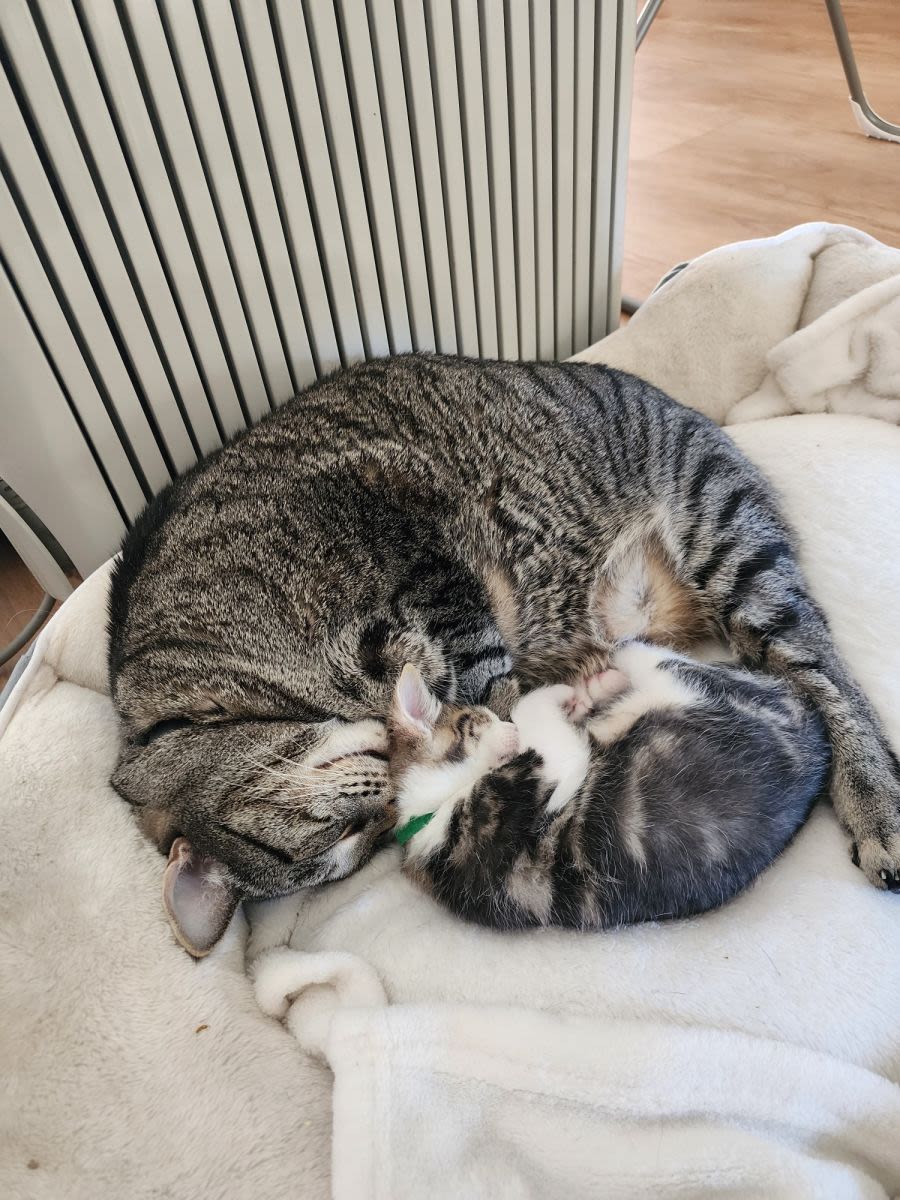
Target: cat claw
<point>878,863</point>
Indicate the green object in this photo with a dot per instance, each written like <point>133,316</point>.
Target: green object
<point>412,827</point>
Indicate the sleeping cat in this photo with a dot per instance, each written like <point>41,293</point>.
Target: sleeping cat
<point>454,514</point>
<point>658,788</point>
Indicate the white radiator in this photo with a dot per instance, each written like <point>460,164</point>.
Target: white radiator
<point>208,204</point>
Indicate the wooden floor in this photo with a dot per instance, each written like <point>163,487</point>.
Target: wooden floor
<point>741,129</point>
<point>19,597</point>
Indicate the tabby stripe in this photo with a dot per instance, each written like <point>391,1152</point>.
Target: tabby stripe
<point>613,415</point>
<point>677,448</point>
<point>765,559</point>
<point>465,662</point>
<point>704,573</point>
<point>731,505</point>
<point>503,673</point>
<point>687,539</point>
<point>154,644</point>
<point>505,521</point>
<point>706,470</point>
<point>532,370</point>
<point>610,481</point>
<point>454,829</point>
<point>450,629</point>
<point>785,617</point>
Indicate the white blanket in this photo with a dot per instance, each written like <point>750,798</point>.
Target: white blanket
<point>128,1070</point>
<point>808,321</point>
<point>753,1052</point>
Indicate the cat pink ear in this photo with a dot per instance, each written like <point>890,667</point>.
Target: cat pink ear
<point>416,708</point>
<point>198,898</point>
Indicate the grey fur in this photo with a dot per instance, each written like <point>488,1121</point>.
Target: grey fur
<point>270,596</point>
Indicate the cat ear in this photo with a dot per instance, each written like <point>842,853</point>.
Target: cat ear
<point>416,708</point>
<point>159,826</point>
<point>198,896</point>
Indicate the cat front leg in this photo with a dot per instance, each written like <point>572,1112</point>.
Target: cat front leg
<point>541,717</point>
<point>756,591</point>
<point>503,695</point>
<point>783,630</point>
<point>543,720</point>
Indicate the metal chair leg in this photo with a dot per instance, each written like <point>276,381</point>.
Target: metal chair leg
<point>23,638</point>
<point>645,20</point>
<point>647,15</point>
<point>867,119</point>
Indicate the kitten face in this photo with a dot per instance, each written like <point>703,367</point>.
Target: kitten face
<point>436,749</point>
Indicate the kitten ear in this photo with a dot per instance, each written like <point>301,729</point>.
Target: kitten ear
<point>199,898</point>
<point>416,708</point>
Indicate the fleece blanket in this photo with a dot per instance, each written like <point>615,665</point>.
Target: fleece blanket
<point>808,321</point>
<point>752,1052</point>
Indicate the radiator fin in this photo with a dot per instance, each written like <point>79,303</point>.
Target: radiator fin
<point>207,206</point>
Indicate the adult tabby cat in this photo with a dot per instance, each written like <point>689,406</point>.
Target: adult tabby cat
<point>658,788</point>
<point>448,513</point>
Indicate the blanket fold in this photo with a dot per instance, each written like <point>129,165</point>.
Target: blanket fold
<point>808,321</point>
<point>473,1101</point>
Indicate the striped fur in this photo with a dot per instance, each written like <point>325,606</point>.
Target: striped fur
<point>453,514</point>
<point>658,789</point>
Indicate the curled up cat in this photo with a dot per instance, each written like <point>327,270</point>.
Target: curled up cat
<point>658,788</point>
<point>483,520</point>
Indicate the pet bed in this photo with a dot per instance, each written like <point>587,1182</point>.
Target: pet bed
<point>378,1047</point>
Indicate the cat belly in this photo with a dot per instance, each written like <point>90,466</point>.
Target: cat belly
<point>638,594</point>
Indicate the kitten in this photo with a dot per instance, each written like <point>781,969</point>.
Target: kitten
<point>658,788</point>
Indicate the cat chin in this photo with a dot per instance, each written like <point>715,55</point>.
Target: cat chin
<point>343,858</point>
<point>424,787</point>
<point>427,786</point>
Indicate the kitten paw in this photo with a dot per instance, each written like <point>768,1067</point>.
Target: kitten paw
<point>592,691</point>
<point>879,861</point>
<point>579,704</point>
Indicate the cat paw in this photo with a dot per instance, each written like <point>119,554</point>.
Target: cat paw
<point>502,697</point>
<point>578,705</point>
<point>590,692</point>
<point>879,860</point>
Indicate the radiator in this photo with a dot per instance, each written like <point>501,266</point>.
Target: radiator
<point>207,205</point>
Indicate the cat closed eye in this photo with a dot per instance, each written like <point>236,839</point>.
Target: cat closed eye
<point>163,727</point>
<point>214,715</point>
